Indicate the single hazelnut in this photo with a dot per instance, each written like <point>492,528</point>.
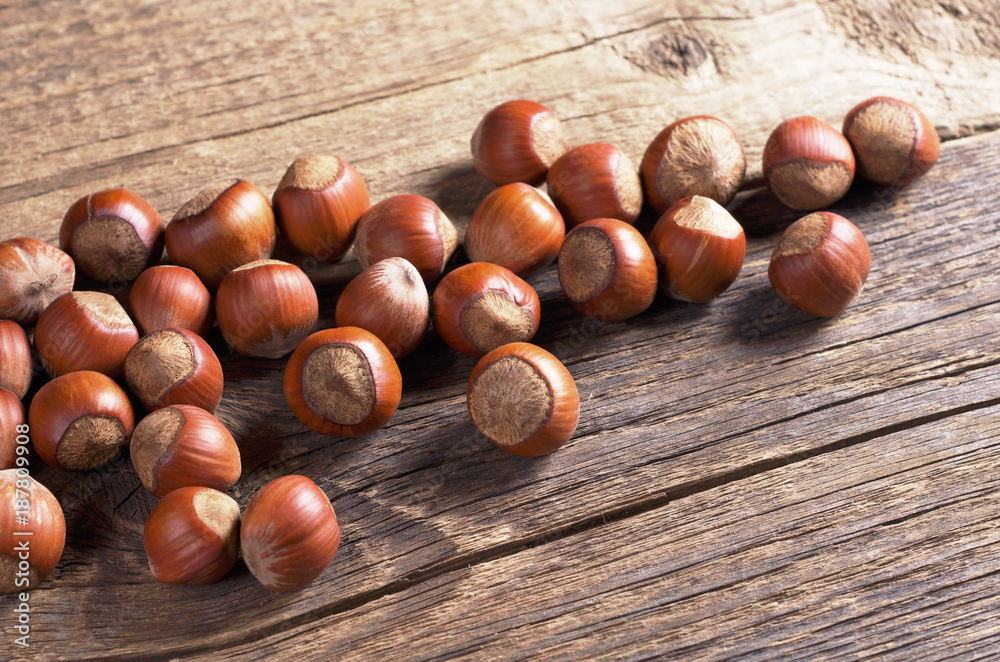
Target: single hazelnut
<point>174,367</point>
<point>894,142</point>
<point>606,270</point>
<point>517,142</point>
<point>44,532</point>
<point>84,331</point>
<point>517,227</point>
<point>192,536</point>
<point>16,368</point>
<point>80,421</point>
<point>227,225</point>
<point>700,247</point>
<point>289,533</point>
<point>11,427</point>
<point>481,306</point>
<point>808,164</point>
<point>595,181</point>
<point>407,226</point>
<point>318,204</point>
<point>266,308</point>
<point>167,296</point>
<point>182,446</point>
<point>694,156</point>
<point>820,264</point>
<point>112,235</point>
<point>33,274</point>
<point>390,300</point>
<point>343,382</point>
<point>523,400</point>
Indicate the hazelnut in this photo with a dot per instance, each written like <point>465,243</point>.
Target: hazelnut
<point>407,226</point>
<point>820,264</point>
<point>517,227</point>
<point>15,358</point>
<point>606,270</point>
<point>45,530</point>
<point>481,306</point>
<point>693,156</point>
<point>84,331</point>
<point>517,142</point>
<point>174,367</point>
<point>808,164</point>
<point>318,204</point>
<point>226,225</point>
<point>182,446</point>
<point>343,382</point>
<point>112,235</point>
<point>523,400</point>
<point>894,142</point>
<point>11,420</point>
<point>700,247</point>
<point>390,300</point>
<point>192,536</point>
<point>266,308</point>
<point>33,274</point>
<point>168,296</point>
<point>289,533</point>
<point>595,181</point>
<point>80,421</point>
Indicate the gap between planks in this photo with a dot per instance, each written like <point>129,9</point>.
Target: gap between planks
<point>554,536</point>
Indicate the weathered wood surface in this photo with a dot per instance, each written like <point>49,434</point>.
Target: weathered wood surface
<point>745,481</point>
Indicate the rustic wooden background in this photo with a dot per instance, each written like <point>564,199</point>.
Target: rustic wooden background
<point>746,481</point>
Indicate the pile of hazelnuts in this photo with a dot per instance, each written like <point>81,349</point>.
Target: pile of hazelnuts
<point>345,381</point>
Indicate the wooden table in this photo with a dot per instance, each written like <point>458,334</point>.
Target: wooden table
<point>746,481</point>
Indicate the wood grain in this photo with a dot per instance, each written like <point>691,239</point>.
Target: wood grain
<point>737,464</point>
<point>871,550</point>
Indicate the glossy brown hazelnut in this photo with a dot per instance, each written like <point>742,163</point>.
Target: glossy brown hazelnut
<point>820,264</point>
<point>33,274</point>
<point>227,225</point>
<point>80,421</point>
<point>112,235</point>
<point>894,143</point>
<point>84,331</point>
<point>182,446</point>
<point>16,368</point>
<point>523,400</point>
<point>808,164</point>
<point>266,308</point>
<point>11,427</point>
<point>29,548</point>
<point>168,296</point>
<point>518,141</point>
<point>407,226</point>
<point>318,204</point>
<point>517,227</point>
<point>595,181</point>
<point>607,271</point>
<point>481,306</point>
<point>289,534</point>
<point>192,536</point>
<point>343,382</point>
<point>174,367</point>
<point>694,156</point>
<point>390,300</point>
<point>700,248</point>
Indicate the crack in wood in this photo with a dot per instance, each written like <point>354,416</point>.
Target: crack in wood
<point>562,532</point>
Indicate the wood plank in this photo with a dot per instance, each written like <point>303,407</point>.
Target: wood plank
<point>889,548</point>
<point>612,74</point>
<point>682,400</point>
<point>678,403</point>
